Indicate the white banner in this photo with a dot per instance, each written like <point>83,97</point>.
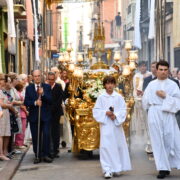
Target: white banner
<point>137,33</point>
<point>36,34</point>
<point>11,28</point>
<point>151,34</point>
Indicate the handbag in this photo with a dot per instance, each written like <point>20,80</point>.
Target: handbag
<point>14,124</point>
<point>13,121</point>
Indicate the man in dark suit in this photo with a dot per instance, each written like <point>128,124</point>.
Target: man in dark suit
<point>38,95</point>
<point>148,79</point>
<point>57,112</point>
<point>178,113</point>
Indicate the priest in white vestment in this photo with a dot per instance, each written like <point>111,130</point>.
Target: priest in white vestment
<point>162,100</point>
<point>138,124</point>
<point>110,112</point>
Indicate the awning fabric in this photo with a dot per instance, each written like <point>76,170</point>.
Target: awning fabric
<point>30,30</point>
<point>11,28</point>
<point>176,23</point>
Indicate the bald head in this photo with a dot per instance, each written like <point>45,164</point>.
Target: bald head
<point>37,76</point>
<point>56,71</point>
<point>37,71</point>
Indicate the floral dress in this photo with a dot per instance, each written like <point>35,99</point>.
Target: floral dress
<point>5,128</point>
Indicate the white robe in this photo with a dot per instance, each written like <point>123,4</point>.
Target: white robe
<point>114,154</point>
<point>139,118</point>
<point>163,128</point>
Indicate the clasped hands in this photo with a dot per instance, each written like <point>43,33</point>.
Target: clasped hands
<point>139,92</point>
<point>39,102</point>
<point>111,115</point>
<point>40,93</point>
<point>161,94</point>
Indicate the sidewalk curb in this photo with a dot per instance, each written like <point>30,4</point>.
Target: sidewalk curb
<point>11,167</point>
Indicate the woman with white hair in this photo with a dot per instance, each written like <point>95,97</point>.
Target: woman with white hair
<point>23,78</point>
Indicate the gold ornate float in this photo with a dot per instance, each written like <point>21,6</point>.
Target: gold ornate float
<point>83,84</point>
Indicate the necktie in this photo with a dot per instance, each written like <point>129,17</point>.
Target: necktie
<point>37,90</point>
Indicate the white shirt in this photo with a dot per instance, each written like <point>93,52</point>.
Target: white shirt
<point>36,86</point>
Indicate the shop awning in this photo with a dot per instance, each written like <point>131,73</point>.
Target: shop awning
<point>11,25</point>
<point>30,22</point>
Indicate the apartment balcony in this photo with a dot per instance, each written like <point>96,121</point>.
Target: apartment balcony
<point>3,3</point>
<point>19,9</point>
<point>130,16</point>
<point>169,8</point>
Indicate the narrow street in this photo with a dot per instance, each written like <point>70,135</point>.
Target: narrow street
<point>80,72</point>
<point>69,167</point>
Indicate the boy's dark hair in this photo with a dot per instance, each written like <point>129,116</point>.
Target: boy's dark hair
<point>109,79</point>
<point>162,63</point>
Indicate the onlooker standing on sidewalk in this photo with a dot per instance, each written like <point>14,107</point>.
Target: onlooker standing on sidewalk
<point>19,138</point>
<point>5,129</point>
<point>23,78</point>
<point>56,110</point>
<point>16,99</point>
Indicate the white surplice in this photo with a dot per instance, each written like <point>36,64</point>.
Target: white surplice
<point>114,154</point>
<point>163,127</point>
<point>139,117</point>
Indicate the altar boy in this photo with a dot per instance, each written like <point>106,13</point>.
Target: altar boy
<point>110,112</point>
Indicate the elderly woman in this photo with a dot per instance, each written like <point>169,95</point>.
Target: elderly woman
<point>17,102</point>
<point>25,81</point>
<point>19,138</point>
<point>5,129</point>
<point>23,78</point>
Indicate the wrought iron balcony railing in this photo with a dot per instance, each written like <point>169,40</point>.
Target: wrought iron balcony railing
<point>22,2</point>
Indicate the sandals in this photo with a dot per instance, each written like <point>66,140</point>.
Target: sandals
<point>4,158</point>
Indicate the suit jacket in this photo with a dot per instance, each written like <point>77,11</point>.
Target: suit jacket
<point>31,96</point>
<point>146,81</point>
<point>57,98</point>
<point>175,80</point>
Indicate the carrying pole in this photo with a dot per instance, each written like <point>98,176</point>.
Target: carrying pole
<point>38,132</point>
